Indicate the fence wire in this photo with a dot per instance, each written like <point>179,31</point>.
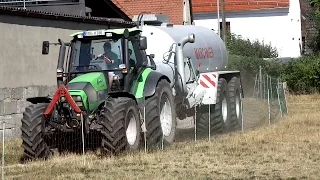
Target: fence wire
<point>263,104</point>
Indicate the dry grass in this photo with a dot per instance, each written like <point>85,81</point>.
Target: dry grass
<point>286,150</point>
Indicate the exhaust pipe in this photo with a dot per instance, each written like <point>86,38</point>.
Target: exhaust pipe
<point>62,54</point>
<point>179,62</point>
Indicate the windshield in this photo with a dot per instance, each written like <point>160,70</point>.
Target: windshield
<point>102,54</point>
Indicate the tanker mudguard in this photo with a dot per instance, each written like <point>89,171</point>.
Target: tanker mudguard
<point>36,100</point>
<point>151,83</point>
<point>206,90</point>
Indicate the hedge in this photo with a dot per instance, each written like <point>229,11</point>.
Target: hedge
<point>302,74</point>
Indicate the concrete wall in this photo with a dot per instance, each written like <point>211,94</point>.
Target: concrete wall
<point>24,71</point>
<point>279,27</point>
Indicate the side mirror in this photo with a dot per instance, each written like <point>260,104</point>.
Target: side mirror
<point>143,43</point>
<point>45,47</point>
<point>153,64</point>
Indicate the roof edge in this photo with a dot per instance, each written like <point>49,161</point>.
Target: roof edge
<point>65,17</point>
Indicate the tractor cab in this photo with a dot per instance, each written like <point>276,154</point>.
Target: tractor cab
<point>100,62</point>
<point>114,52</point>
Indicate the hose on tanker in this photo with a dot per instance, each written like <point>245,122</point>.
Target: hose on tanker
<point>166,56</point>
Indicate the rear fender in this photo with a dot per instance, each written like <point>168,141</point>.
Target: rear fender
<point>36,100</point>
<point>152,82</point>
<point>206,90</point>
<point>147,84</point>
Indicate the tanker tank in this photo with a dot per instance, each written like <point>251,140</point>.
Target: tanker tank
<point>208,53</point>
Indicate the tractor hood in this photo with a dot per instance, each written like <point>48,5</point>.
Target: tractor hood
<point>96,79</point>
<point>92,87</point>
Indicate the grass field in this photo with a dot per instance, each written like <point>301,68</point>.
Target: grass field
<point>288,149</point>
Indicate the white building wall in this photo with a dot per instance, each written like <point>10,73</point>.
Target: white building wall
<point>280,27</point>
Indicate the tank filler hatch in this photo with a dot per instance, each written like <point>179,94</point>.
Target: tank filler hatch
<point>153,19</point>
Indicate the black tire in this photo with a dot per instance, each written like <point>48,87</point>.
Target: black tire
<point>33,133</point>
<point>234,86</point>
<point>165,96</point>
<point>132,111</point>
<point>113,121</point>
<point>217,122</point>
<point>154,134</point>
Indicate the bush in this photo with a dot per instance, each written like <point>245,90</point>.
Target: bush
<point>244,47</point>
<point>303,75</point>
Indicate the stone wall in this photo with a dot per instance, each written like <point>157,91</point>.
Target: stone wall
<point>13,103</point>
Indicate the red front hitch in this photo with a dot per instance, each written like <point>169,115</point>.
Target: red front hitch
<point>62,91</point>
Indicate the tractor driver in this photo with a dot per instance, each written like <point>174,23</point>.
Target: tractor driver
<point>108,55</point>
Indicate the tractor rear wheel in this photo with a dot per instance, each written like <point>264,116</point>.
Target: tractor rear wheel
<point>235,102</point>
<point>33,133</point>
<point>118,114</point>
<point>160,118</point>
<point>167,111</point>
<point>219,113</point>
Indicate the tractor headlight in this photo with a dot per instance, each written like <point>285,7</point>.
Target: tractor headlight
<point>80,104</point>
<point>77,98</point>
<point>78,101</point>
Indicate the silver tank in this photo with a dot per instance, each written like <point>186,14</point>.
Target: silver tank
<point>208,53</point>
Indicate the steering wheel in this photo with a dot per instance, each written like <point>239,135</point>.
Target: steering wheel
<point>105,58</point>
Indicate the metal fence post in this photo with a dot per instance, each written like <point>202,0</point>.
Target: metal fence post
<point>209,133</point>
<point>82,137</point>
<point>264,87</point>
<point>241,106</point>
<point>260,82</point>
<point>195,123</point>
<point>279,99</point>
<point>285,97</point>
<point>3,145</point>
<point>269,108</point>
<point>145,126</point>
<point>271,88</point>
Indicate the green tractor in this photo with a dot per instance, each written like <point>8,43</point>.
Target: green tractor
<point>106,89</point>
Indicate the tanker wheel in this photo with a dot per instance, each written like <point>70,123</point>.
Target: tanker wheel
<point>120,125</point>
<point>219,113</point>
<point>160,118</point>
<point>33,133</point>
<point>235,102</point>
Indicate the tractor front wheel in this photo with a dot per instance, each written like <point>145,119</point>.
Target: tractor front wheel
<point>120,125</point>
<point>33,132</point>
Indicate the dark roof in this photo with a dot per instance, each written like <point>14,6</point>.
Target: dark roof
<point>65,17</point>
